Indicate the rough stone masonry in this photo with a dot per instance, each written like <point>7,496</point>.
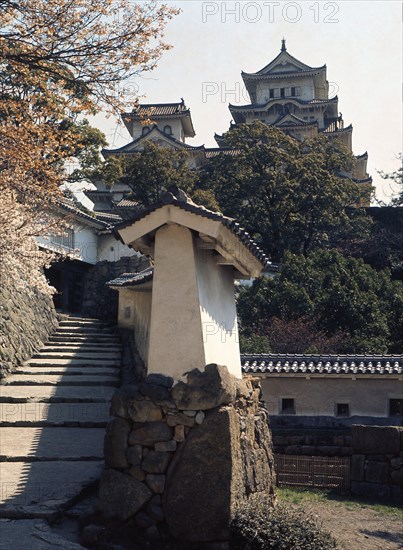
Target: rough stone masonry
<point>180,458</point>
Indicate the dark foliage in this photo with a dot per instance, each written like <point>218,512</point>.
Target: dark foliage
<point>258,526</point>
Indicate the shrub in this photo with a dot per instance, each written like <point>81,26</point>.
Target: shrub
<point>259,526</point>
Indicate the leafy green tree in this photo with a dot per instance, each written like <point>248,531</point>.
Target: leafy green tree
<point>397,178</point>
<point>152,171</point>
<point>342,297</point>
<point>290,195</point>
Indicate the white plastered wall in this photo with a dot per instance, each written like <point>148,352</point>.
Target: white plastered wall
<point>218,311</point>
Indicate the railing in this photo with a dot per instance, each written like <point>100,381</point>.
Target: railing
<point>313,471</point>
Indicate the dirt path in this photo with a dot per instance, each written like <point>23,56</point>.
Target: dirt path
<point>355,525</point>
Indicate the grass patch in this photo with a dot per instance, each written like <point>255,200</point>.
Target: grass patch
<point>303,496</point>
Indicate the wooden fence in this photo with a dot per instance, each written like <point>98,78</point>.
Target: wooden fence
<point>313,471</point>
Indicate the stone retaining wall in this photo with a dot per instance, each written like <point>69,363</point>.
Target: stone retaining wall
<point>313,443</point>
<point>180,458</point>
<point>99,300</point>
<point>377,462</point>
<point>27,318</point>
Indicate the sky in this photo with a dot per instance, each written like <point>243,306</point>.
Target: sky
<point>359,41</point>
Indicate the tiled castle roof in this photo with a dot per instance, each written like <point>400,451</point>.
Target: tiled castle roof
<point>158,109</point>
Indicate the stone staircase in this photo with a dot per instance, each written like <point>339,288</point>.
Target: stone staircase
<point>53,413</point>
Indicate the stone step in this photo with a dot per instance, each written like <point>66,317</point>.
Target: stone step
<point>54,394</point>
<point>33,444</point>
<point>73,338</point>
<point>45,488</point>
<point>84,330</point>
<point>68,370</point>
<point>60,380</point>
<point>33,534</point>
<point>73,362</point>
<point>78,354</point>
<point>85,348</point>
<point>86,320</point>
<point>54,414</point>
<point>85,323</point>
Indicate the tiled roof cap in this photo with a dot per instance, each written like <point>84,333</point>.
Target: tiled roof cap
<point>126,203</point>
<point>177,197</point>
<point>67,205</point>
<point>132,279</point>
<point>322,364</point>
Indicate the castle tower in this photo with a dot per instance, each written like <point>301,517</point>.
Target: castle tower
<point>294,97</point>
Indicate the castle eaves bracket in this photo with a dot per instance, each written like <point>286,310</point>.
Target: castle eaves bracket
<point>213,232</point>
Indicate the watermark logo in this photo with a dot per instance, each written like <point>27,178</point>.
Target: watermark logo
<point>236,93</point>
<point>215,331</point>
<point>253,12</point>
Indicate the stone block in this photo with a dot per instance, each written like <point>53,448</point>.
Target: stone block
<point>134,455</point>
<point>338,440</point>
<point>137,473</point>
<point>121,496</point>
<point>150,434</point>
<point>121,400</point>
<point>154,391</point>
<point>370,490</point>
<point>308,450</point>
<point>199,418</point>
<point>328,450</point>
<point>166,446</point>
<point>396,494</point>
<point>156,482</point>
<point>115,443</point>
<point>243,388</point>
<point>155,510</point>
<point>160,380</point>
<point>346,451</point>
<point>179,433</point>
<point>143,520</point>
<point>279,440</point>
<point>396,477</point>
<point>357,467</point>
<point>144,411</point>
<point>293,450</point>
<point>156,462</point>
<point>396,463</point>
<point>377,472</point>
<point>370,439</point>
<point>212,472</point>
<point>190,413</point>
<point>205,390</point>
<point>296,440</point>
<point>179,418</point>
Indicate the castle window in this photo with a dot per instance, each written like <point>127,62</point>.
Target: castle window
<point>293,91</point>
<point>66,240</point>
<point>395,407</point>
<point>145,130</point>
<point>342,409</point>
<point>272,93</point>
<point>282,92</point>
<point>287,406</point>
<point>168,130</point>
